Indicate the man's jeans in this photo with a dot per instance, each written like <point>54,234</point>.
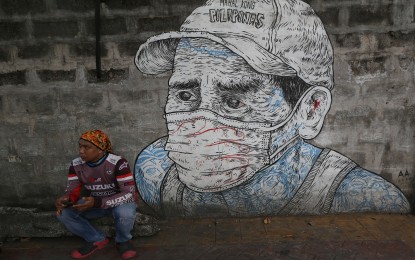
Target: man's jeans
<point>77,222</point>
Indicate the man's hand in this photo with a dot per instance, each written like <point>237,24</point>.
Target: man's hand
<point>61,203</point>
<point>88,204</point>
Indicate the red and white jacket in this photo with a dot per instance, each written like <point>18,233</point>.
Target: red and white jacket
<point>111,182</point>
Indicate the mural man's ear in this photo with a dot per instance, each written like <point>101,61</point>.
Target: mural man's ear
<point>312,110</point>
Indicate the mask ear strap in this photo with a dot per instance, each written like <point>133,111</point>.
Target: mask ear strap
<point>293,111</point>
<point>281,150</point>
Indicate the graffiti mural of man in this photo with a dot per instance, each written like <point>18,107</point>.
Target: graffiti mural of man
<point>250,83</point>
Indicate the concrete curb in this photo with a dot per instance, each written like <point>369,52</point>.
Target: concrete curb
<point>29,222</point>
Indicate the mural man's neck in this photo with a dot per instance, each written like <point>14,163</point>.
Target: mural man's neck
<point>289,170</point>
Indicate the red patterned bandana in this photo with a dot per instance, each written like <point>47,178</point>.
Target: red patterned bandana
<point>98,138</point>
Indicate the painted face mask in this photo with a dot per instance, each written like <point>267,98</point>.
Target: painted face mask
<point>213,153</point>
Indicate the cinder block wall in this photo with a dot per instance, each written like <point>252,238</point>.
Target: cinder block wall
<point>49,92</point>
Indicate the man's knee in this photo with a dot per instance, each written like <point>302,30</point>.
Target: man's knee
<point>125,211</point>
<point>67,214</point>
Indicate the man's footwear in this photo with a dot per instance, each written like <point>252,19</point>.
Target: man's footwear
<point>89,248</point>
<point>126,250</point>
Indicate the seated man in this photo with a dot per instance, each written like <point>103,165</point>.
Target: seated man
<point>249,85</point>
<point>110,191</point>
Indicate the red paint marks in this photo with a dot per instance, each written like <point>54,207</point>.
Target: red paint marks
<point>239,157</point>
<point>316,104</point>
<point>182,124</point>
<point>202,129</point>
<point>224,128</point>
<point>242,147</point>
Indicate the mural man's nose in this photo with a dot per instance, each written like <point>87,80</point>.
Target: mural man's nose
<point>208,95</point>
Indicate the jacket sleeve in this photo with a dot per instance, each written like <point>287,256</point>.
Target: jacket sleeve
<point>126,184</point>
<point>73,187</point>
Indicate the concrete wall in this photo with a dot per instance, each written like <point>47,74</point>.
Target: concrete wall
<point>49,93</point>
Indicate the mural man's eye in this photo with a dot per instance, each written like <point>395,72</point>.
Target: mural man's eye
<point>234,103</point>
<point>186,96</point>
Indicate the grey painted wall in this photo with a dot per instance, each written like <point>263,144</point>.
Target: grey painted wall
<point>49,94</point>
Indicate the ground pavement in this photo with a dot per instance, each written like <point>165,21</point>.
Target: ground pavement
<point>367,236</point>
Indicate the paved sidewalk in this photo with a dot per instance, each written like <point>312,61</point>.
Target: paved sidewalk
<point>307,237</point>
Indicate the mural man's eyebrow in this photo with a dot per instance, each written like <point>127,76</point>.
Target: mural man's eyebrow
<point>244,86</point>
<point>191,84</point>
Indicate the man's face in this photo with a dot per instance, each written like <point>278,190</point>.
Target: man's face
<point>207,75</point>
<point>89,152</point>
<point>215,151</point>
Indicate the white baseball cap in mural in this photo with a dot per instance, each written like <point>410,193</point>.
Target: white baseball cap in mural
<point>277,37</point>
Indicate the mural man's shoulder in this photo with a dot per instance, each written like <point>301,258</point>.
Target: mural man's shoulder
<point>151,167</point>
<point>365,191</point>
<point>153,152</point>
